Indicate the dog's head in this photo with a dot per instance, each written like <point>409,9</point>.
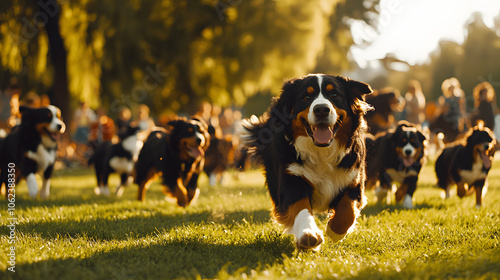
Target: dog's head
<point>190,137</point>
<point>322,107</point>
<point>409,143</point>
<point>482,142</point>
<point>46,120</point>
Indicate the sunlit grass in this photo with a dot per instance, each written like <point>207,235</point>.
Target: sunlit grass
<point>228,233</point>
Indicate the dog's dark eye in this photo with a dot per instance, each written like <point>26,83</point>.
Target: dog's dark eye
<point>307,97</point>
<point>334,94</point>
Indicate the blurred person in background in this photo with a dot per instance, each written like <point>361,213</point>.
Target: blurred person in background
<point>415,103</point>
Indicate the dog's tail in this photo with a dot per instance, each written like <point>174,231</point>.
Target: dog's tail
<point>253,134</point>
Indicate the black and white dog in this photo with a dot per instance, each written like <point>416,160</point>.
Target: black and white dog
<point>31,147</point>
<point>116,158</point>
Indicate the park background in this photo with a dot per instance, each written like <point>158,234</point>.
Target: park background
<point>174,55</point>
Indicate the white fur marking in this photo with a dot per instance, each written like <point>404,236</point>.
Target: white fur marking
<point>304,223</point>
<point>475,173</point>
<point>32,185</point>
<point>212,180</point>
<point>407,203</point>
<point>132,145</point>
<point>320,169</point>
<point>55,121</point>
<point>42,157</point>
<point>409,147</point>
<point>121,165</point>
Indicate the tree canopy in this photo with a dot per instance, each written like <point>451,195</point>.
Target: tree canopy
<point>172,54</point>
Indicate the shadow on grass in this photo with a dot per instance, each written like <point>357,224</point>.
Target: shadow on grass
<point>138,226</point>
<point>170,259</point>
<point>375,209</point>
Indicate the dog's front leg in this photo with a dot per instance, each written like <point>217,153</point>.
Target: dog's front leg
<point>45,191</point>
<point>342,218</point>
<point>192,188</point>
<point>406,191</point>
<point>480,187</point>
<point>32,185</point>
<point>293,210</point>
<point>180,192</point>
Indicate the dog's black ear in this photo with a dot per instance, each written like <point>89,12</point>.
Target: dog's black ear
<point>421,136</point>
<point>283,105</point>
<point>359,89</point>
<point>25,109</point>
<point>25,113</point>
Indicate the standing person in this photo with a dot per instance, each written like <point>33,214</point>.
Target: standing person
<point>484,105</point>
<point>123,120</point>
<point>144,121</point>
<point>450,113</point>
<point>82,119</point>
<point>9,105</point>
<point>415,103</point>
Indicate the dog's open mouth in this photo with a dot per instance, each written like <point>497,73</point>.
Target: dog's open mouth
<point>54,136</point>
<point>486,160</point>
<point>408,161</point>
<point>194,151</point>
<point>322,134</point>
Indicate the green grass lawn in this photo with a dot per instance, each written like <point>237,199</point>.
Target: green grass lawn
<point>228,234</point>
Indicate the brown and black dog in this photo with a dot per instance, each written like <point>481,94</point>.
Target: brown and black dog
<point>178,155</point>
<point>386,102</point>
<point>466,163</point>
<point>395,156</point>
<point>312,148</point>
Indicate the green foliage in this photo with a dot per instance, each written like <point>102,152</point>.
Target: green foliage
<point>228,234</point>
<point>172,55</point>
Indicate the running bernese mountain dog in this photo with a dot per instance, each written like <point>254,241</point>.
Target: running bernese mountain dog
<point>395,156</point>
<point>31,147</point>
<point>116,158</point>
<point>466,163</point>
<point>312,147</point>
<point>177,154</point>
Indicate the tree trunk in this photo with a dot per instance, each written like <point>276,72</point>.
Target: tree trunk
<point>60,93</point>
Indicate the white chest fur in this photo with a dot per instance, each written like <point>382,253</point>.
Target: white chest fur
<point>401,175</point>
<point>132,145</point>
<point>476,173</point>
<point>320,168</point>
<point>121,164</point>
<point>43,157</point>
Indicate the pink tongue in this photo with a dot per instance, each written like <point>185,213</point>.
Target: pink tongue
<point>408,161</point>
<point>486,161</point>
<point>322,135</point>
<point>196,151</point>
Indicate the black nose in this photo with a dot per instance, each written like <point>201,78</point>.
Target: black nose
<point>58,127</point>
<point>198,140</point>
<point>486,146</point>
<point>407,152</point>
<point>321,111</point>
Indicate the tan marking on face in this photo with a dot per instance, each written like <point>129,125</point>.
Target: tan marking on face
<point>288,217</point>
<point>310,90</point>
<point>298,126</point>
<point>345,131</point>
<point>329,87</point>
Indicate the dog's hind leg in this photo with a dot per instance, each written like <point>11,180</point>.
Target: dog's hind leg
<point>123,182</point>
